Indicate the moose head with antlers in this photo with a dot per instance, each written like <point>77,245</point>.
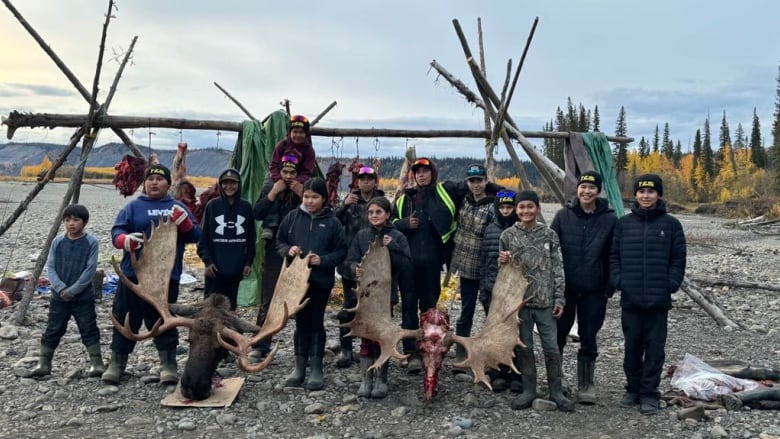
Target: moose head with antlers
<point>493,345</point>
<point>212,322</point>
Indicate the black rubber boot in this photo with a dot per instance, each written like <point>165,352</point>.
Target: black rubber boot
<point>168,368</point>
<point>95,361</point>
<point>44,362</point>
<point>528,370</point>
<point>587,388</point>
<point>555,382</point>
<point>316,377</point>
<point>460,355</point>
<point>380,382</point>
<point>295,379</point>
<point>116,367</point>
<point>368,377</point>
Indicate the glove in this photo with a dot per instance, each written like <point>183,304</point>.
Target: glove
<point>182,219</point>
<point>130,241</point>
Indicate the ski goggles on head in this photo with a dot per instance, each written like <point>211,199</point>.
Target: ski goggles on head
<point>475,171</point>
<point>422,162</point>
<point>366,170</point>
<point>289,161</point>
<point>506,197</point>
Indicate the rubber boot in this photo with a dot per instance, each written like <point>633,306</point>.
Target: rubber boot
<point>587,388</point>
<point>116,367</point>
<point>44,362</point>
<point>368,377</point>
<point>316,378</point>
<point>460,355</point>
<point>345,357</point>
<point>295,379</point>
<point>380,382</point>
<point>555,382</point>
<point>528,371</point>
<point>168,367</point>
<point>415,364</point>
<point>95,361</point>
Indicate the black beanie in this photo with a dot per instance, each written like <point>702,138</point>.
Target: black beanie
<point>158,169</point>
<point>527,196</point>
<point>651,181</point>
<point>591,177</point>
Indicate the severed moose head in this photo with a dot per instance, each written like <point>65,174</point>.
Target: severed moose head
<point>210,321</point>
<point>492,345</point>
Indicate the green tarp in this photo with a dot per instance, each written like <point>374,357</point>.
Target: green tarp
<point>251,156</point>
<point>600,154</point>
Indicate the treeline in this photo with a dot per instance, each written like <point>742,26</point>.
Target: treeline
<point>721,166</point>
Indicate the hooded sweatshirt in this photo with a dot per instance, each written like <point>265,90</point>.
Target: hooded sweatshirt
<point>228,239</point>
<point>304,152</point>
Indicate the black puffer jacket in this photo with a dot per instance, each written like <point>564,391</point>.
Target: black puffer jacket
<point>490,248</point>
<point>647,260</point>
<point>585,242</point>
<point>321,234</point>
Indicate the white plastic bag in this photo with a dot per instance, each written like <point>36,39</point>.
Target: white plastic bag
<point>701,381</point>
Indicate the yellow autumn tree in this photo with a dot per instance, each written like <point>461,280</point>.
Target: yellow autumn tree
<point>35,170</point>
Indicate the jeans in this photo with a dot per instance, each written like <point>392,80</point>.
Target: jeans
<point>645,332</point>
<point>589,309</point>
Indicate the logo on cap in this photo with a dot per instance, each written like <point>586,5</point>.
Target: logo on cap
<point>646,183</point>
<point>587,178</point>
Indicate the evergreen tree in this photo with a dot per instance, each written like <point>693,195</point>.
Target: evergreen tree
<point>724,139</point>
<point>776,136</point>
<point>757,152</point>
<point>621,154</point>
<point>583,121</point>
<point>697,172</point>
<point>596,119</point>
<point>677,156</point>
<point>706,151</point>
<point>656,139</point>
<point>571,116</point>
<point>741,141</point>
<point>644,149</point>
<point>667,147</point>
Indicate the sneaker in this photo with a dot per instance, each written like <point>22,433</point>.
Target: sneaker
<point>648,406</point>
<point>630,400</point>
<point>499,384</point>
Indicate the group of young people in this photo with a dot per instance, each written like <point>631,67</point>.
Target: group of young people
<point>472,226</point>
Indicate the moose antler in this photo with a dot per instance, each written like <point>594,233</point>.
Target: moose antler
<point>494,343</point>
<point>153,270</point>
<point>288,299</point>
<point>372,313</point>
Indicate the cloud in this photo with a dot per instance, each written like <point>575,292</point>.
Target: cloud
<point>17,89</point>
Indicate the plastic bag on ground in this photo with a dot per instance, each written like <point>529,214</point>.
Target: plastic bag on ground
<point>699,380</point>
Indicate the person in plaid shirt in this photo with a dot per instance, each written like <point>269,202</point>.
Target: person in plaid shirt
<point>475,213</point>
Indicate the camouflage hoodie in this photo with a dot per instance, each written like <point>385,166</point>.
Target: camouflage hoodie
<point>539,251</point>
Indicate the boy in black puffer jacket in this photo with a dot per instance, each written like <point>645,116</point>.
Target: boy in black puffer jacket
<point>647,265</point>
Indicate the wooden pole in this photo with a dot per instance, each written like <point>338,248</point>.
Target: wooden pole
<point>235,101</point>
<point>51,120</point>
<point>490,144</point>
<point>322,114</point>
<point>67,72</point>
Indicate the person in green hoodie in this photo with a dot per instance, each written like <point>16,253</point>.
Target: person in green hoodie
<point>537,249</point>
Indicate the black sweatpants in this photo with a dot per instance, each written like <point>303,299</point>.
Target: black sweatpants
<point>126,302</point>
<point>644,331</point>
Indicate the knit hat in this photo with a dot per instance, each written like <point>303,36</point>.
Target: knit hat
<point>591,177</point>
<point>230,174</point>
<point>506,197</point>
<point>300,121</point>
<point>527,196</point>
<point>158,169</point>
<point>290,161</point>
<point>475,170</point>
<point>651,181</point>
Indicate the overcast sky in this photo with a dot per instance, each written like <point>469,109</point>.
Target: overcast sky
<point>670,61</point>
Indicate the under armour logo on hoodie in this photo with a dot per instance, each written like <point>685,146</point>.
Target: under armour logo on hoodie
<point>238,225</point>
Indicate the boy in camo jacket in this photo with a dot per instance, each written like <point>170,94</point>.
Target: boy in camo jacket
<point>536,247</point>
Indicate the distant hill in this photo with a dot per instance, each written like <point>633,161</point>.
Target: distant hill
<point>209,162</point>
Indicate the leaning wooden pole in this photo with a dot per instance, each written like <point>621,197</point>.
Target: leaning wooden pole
<point>322,114</point>
<point>67,72</point>
<point>235,101</point>
<point>75,181</point>
<point>490,144</point>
